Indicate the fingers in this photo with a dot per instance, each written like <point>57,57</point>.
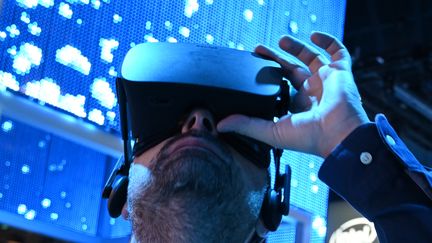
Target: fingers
<point>309,83</point>
<point>300,102</point>
<point>333,46</point>
<point>299,76</point>
<point>304,52</point>
<point>313,86</point>
<point>269,53</point>
<point>293,71</point>
<point>256,128</point>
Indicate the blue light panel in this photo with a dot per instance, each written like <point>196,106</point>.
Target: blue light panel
<point>47,179</point>
<point>66,54</point>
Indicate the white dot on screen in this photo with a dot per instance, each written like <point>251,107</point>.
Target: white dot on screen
<point>248,15</point>
<point>41,144</point>
<point>311,165</point>
<point>112,221</point>
<point>209,39</point>
<point>22,209</point>
<point>46,203</point>
<point>96,4</point>
<point>25,169</point>
<point>110,115</point>
<point>294,27</point>
<point>148,25</point>
<point>313,18</point>
<point>168,25</point>
<point>171,39</point>
<point>322,231</point>
<point>117,18</point>
<point>54,216</point>
<point>314,188</point>
<point>52,167</point>
<point>150,38</point>
<point>7,126</point>
<point>312,177</point>
<point>112,72</point>
<point>317,222</point>
<point>184,31</point>
<point>30,215</point>
<point>294,183</point>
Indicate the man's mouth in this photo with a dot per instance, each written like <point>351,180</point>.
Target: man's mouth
<point>198,143</point>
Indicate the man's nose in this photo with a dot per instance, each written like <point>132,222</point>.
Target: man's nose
<point>200,120</point>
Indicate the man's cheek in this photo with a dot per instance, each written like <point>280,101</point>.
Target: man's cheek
<point>139,178</point>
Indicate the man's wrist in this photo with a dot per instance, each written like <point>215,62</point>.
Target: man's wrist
<point>341,132</point>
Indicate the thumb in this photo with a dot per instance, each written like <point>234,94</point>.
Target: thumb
<point>257,128</point>
<point>297,132</point>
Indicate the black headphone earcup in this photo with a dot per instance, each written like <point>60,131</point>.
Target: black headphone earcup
<point>270,213</point>
<point>118,197</point>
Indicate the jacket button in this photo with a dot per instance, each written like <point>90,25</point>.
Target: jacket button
<point>366,158</point>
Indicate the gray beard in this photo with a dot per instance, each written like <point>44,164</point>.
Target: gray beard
<point>192,196</point>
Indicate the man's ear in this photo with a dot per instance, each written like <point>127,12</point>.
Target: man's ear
<point>125,212</point>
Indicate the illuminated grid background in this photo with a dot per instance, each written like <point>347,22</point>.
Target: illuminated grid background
<point>67,54</point>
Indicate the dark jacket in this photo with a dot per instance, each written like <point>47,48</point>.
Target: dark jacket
<point>375,172</point>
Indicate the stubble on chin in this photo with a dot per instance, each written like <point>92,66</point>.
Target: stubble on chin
<point>188,189</point>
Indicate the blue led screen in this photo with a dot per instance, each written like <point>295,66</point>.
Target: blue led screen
<point>45,178</point>
<point>67,53</point>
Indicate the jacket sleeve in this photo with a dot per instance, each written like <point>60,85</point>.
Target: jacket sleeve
<point>375,172</point>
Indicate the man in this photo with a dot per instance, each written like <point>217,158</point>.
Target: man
<point>200,189</point>
<point>194,188</point>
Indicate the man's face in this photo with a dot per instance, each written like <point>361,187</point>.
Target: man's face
<point>195,172</point>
